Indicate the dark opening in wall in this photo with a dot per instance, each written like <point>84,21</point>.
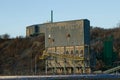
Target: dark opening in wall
<point>36,28</point>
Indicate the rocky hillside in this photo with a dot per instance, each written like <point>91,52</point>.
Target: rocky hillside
<point>17,56</point>
<point>98,35</point>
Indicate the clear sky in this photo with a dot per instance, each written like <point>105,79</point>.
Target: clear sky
<point>15,15</point>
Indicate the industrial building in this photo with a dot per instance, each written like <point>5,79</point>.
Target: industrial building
<point>34,29</point>
<point>66,46</point>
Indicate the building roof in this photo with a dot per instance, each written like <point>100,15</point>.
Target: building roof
<point>57,22</point>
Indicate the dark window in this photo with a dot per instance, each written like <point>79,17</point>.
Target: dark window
<point>71,51</point>
<point>67,52</point>
<point>76,51</point>
<point>36,29</point>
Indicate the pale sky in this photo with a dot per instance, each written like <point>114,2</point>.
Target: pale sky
<point>15,15</point>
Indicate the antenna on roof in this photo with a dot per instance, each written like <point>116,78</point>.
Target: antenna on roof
<point>51,16</point>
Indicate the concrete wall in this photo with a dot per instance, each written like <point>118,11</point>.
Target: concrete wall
<point>66,33</point>
<point>30,30</point>
<point>69,33</point>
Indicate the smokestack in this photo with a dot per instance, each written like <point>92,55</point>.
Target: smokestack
<point>51,16</point>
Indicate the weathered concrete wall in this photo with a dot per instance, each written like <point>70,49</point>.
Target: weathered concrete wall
<point>69,33</point>
<point>66,33</point>
<point>30,30</point>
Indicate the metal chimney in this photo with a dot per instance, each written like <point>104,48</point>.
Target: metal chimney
<point>51,16</point>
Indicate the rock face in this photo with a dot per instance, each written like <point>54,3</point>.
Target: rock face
<point>17,56</point>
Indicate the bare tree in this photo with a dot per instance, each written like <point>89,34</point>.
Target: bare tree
<point>5,36</point>
<point>118,24</point>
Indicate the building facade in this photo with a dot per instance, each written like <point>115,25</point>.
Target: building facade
<point>67,44</point>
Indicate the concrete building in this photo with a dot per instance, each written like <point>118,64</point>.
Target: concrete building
<point>67,45</point>
<point>34,30</point>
